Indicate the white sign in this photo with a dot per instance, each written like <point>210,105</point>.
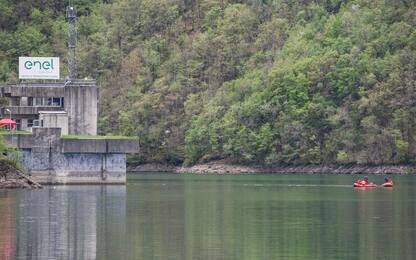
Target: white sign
<point>38,68</point>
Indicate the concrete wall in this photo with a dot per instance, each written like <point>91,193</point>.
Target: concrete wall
<point>123,145</point>
<point>50,137</point>
<point>81,100</point>
<point>27,110</point>
<point>92,145</point>
<point>84,145</point>
<point>34,90</point>
<point>51,159</point>
<point>77,168</point>
<point>55,120</point>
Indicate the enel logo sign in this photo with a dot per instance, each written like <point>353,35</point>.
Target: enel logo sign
<point>38,68</point>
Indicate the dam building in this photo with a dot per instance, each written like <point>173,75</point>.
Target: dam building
<point>71,106</point>
<point>60,144</point>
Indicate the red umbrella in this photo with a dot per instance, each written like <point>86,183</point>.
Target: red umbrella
<point>7,121</point>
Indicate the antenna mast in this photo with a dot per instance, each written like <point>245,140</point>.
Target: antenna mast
<point>71,14</point>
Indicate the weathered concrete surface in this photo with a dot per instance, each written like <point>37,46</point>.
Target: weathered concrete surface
<point>87,168</point>
<point>20,141</point>
<point>123,145</point>
<point>28,110</point>
<point>92,145</point>
<point>80,102</point>
<point>35,90</point>
<point>55,119</point>
<point>84,145</point>
<point>49,159</point>
<point>81,105</point>
<point>68,145</point>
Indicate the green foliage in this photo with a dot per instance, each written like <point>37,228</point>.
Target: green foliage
<point>342,157</point>
<point>9,155</point>
<point>260,82</point>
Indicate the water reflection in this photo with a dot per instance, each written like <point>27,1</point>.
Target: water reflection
<point>61,222</point>
<point>7,231</point>
<point>211,217</point>
<point>241,217</point>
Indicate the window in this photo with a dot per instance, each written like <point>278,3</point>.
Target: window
<point>57,102</point>
<point>18,124</point>
<point>15,101</point>
<point>30,123</point>
<point>38,101</point>
<point>46,101</point>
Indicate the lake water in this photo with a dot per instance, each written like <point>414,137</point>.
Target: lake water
<point>169,216</point>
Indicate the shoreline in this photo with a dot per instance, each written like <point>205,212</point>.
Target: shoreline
<point>224,168</point>
<point>12,177</point>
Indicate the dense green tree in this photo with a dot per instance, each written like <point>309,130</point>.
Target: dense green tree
<point>261,82</point>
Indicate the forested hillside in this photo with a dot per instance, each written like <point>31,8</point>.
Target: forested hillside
<point>252,81</point>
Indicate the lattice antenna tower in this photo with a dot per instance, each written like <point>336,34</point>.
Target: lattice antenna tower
<point>71,15</point>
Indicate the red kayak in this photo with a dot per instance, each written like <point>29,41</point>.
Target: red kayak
<point>369,185</point>
<point>388,184</point>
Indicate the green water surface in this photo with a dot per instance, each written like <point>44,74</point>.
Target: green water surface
<point>170,216</point>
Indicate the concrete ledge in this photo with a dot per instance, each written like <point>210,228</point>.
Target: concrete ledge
<point>51,159</point>
<point>70,145</point>
<point>123,145</point>
<point>35,90</point>
<point>28,110</point>
<point>84,145</point>
<point>20,141</point>
<point>49,138</point>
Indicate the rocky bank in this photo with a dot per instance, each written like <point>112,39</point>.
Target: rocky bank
<point>12,177</point>
<point>224,168</point>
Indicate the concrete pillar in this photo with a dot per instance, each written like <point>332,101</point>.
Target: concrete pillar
<point>23,124</point>
<point>23,101</point>
<point>81,99</point>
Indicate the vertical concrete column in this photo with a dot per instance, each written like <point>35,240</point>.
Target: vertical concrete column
<point>23,124</point>
<point>81,105</point>
<point>23,101</point>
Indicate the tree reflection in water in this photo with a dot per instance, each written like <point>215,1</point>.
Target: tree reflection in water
<point>168,216</point>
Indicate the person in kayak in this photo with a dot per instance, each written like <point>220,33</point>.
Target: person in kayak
<point>362,182</point>
<point>388,180</point>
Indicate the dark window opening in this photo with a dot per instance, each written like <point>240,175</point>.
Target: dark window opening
<point>46,101</point>
<point>15,101</point>
<point>38,101</point>
<point>18,124</point>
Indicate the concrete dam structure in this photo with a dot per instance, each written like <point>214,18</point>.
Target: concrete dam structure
<point>50,159</point>
<point>71,106</point>
<point>62,147</point>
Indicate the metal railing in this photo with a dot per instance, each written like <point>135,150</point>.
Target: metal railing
<point>28,110</point>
